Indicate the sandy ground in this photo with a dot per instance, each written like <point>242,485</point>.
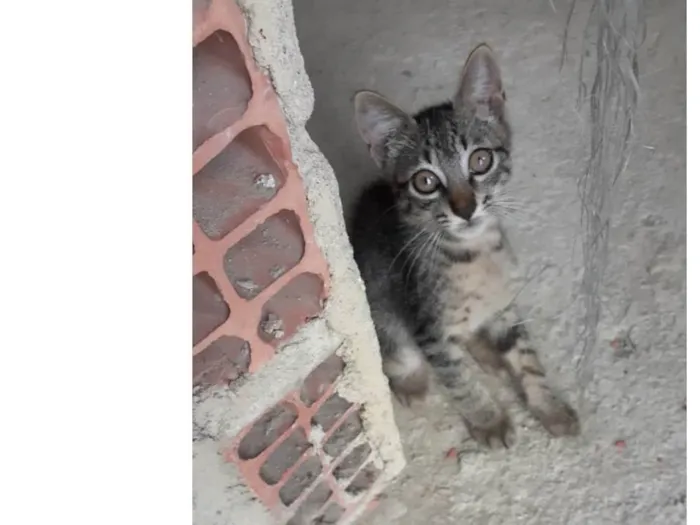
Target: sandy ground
<point>629,465</point>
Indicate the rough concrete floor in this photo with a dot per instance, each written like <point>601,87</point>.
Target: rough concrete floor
<point>629,466</point>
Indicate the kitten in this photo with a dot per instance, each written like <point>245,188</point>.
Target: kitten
<point>434,258</point>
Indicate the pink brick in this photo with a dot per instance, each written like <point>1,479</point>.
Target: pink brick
<point>320,380</point>
<point>221,86</point>
<point>258,277</point>
<point>210,309</point>
<point>264,255</point>
<point>225,360</point>
<point>268,429</point>
<point>251,231</point>
<point>292,306</point>
<point>236,183</point>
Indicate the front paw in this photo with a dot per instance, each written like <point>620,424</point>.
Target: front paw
<point>558,418</point>
<point>493,430</point>
<point>410,388</point>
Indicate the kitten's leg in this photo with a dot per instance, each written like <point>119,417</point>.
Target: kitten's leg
<point>510,339</point>
<point>402,361</point>
<point>465,384</point>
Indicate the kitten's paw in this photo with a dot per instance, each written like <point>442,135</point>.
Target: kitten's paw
<point>410,388</point>
<point>407,400</point>
<point>558,418</point>
<point>493,432</point>
<point>408,375</point>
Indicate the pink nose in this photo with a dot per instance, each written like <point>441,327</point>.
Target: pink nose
<point>463,203</point>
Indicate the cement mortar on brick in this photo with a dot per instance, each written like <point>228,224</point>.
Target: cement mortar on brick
<point>272,37</point>
<point>220,496</point>
<point>223,412</point>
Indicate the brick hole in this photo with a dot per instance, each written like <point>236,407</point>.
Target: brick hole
<point>236,183</point>
<point>301,480</point>
<point>266,254</point>
<point>300,300</point>
<point>284,456</point>
<point>343,436</point>
<point>331,411</point>
<point>349,466</point>
<point>221,86</point>
<point>226,359</point>
<point>363,481</point>
<point>318,381</point>
<point>267,430</point>
<point>332,515</point>
<point>209,308</point>
<point>311,505</point>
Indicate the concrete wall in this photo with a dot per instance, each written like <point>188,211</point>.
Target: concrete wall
<point>292,415</point>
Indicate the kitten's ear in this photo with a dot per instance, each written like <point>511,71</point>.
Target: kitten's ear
<point>480,87</point>
<point>382,126</point>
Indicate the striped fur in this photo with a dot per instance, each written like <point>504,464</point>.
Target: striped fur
<point>436,262</point>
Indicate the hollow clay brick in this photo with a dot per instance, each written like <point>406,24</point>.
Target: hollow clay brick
<point>251,231</point>
<point>279,461</point>
<point>236,183</point>
<point>301,480</point>
<point>332,514</point>
<point>267,430</point>
<point>331,411</point>
<point>284,457</point>
<point>319,381</point>
<point>263,256</point>
<point>258,276</point>
<point>225,360</point>
<point>343,435</point>
<point>221,86</point>
<point>312,505</point>
<point>363,481</point>
<point>293,305</point>
<point>210,309</point>
<point>352,462</point>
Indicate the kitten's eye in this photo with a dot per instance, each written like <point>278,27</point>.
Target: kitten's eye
<point>425,182</point>
<point>480,161</point>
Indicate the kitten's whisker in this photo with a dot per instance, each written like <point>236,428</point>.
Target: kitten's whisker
<point>508,211</point>
<point>434,250</point>
<point>387,211</point>
<point>511,204</point>
<point>415,248</point>
<point>430,251</point>
<point>407,245</point>
<point>433,257</point>
<point>518,205</point>
<point>506,214</point>
<point>419,254</point>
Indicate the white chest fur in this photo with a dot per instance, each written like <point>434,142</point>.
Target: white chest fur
<point>476,291</point>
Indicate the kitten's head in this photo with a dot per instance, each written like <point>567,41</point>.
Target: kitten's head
<point>448,163</point>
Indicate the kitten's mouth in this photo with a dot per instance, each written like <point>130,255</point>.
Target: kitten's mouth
<point>467,229</point>
<point>459,225</point>
<point>471,223</point>
<point>460,228</point>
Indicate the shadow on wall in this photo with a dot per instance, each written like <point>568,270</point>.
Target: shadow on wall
<point>337,66</point>
<point>411,51</point>
<point>368,44</point>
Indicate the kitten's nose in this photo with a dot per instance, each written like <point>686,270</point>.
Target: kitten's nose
<point>463,203</point>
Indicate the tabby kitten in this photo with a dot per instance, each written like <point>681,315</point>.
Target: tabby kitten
<point>435,260</point>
